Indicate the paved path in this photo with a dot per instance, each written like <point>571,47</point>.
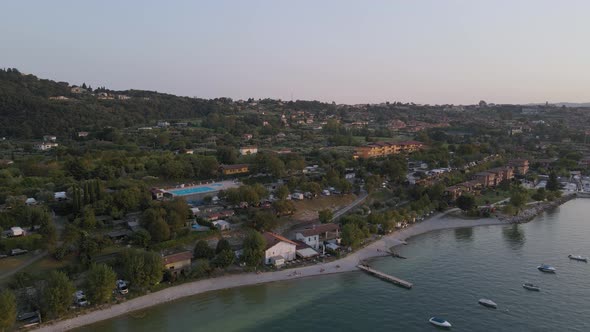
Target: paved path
<point>350,206</point>
<point>24,265</point>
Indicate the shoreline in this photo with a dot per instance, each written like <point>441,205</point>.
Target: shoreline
<point>375,249</point>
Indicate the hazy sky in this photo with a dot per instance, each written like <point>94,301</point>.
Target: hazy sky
<point>345,51</point>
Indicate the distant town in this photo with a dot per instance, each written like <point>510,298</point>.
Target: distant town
<point>106,196</point>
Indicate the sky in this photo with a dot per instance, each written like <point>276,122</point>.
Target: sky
<point>422,51</point>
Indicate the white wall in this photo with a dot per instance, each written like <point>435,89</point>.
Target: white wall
<point>284,249</point>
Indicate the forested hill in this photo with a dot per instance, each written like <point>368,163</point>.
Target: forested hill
<point>31,107</point>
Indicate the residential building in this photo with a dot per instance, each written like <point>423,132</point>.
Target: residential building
<point>487,179</point>
<point>49,138</point>
<point>317,234</point>
<point>278,249</point>
<point>521,166</point>
<point>383,149</point>
<point>178,262</point>
<point>78,89</point>
<point>157,193</point>
<point>234,169</point>
<point>45,146</point>
<point>82,134</point>
<point>248,150</point>
<point>222,225</point>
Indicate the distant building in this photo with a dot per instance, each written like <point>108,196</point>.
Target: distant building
<point>82,134</point>
<point>45,146</point>
<point>248,150</point>
<point>78,89</point>
<point>163,124</point>
<point>157,193</point>
<point>247,137</point>
<point>278,249</point>
<point>222,225</point>
<point>521,166</point>
<point>234,169</point>
<point>49,138</point>
<point>382,149</point>
<point>59,98</point>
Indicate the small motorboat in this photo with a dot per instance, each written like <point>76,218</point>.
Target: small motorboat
<point>488,303</point>
<point>546,268</point>
<point>439,322</point>
<point>578,258</point>
<point>530,286</point>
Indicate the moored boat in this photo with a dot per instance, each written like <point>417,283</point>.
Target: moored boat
<point>439,322</point>
<point>488,303</point>
<point>546,268</point>
<point>578,258</point>
<point>530,286</point>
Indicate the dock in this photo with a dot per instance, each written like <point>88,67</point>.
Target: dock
<point>386,277</point>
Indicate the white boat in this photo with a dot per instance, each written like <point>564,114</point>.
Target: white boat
<point>488,303</point>
<point>546,268</point>
<point>439,322</point>
<point>578,258</point>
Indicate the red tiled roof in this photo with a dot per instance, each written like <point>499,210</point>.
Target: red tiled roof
<point>272,239</point>
<point>177,257</point>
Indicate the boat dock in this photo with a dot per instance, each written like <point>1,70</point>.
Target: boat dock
<point>386,277</point>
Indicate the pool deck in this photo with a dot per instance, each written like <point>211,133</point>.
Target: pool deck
<point>214,186</point>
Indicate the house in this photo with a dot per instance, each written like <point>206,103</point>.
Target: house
<point>178,262</point>
<point>45,146</point>
<point>77,89</point>
<point>49,138</point>
<point>30,201</point>
<point>82,134</point>
<point>487,179</point>
<point>16,231</point>
<point>163,124</point>
<point>317,234</point>
<point>157,193</point>
<point>234,169</point>
<point>278,249</point>
<point>247,137</point>
<point>248,150</point>
<point>222,225</point>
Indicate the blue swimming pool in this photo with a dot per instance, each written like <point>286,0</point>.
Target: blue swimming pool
<point>190,191</point>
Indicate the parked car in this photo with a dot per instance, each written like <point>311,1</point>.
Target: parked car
<point>81,298</point>
<point>122,287</point>
<point>17,251</point>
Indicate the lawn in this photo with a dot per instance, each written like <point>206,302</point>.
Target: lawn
<point>307,210</point>
<point>491,196</point>
<point>10,263</point>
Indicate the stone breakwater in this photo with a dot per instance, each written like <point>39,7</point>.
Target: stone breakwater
<point>532,211</point>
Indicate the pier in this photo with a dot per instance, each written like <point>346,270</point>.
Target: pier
<point>386,277</point>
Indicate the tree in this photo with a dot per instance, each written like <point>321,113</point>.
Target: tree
<point>518,199</point>
<point>282,192</point>
<point>325,216</point>
<point>88,217</point>
<point>552,183</point>
<point>100,283</point>
<point>352,235</point>
<point>141,238</point>
<point>224,259</point>
<point>202,250</point>
<point>222,245</point>
<point>466,202</point>
<point>7,309</point>
<point>159,230</point>
<point>264,221</point>
<point>57,294</point>
<point>254,246</point>
<point>141,268</point>
<point>540,194</point>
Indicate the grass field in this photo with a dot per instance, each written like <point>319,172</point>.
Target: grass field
<point>491,196</point>
<point>308,209</point>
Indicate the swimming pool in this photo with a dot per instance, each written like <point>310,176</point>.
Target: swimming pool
<point>190,191</point>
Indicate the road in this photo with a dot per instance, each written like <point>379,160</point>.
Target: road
<point>350,206</point>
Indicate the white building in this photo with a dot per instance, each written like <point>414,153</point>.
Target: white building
<point>45,146</point>
<point>278,249</point>
<point>222,225</point>
<point>17,231</point>
<point>317,234</point>
<point>247,150</point>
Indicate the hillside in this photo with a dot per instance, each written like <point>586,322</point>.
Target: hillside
<point>31,107</point>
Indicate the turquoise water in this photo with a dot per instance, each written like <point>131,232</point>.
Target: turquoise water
<point>450,269</point>
<point>190,191</point>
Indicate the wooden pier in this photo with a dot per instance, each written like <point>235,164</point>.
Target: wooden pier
<point>386,277</point>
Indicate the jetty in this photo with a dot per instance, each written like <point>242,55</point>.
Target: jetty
<point>386,277</point>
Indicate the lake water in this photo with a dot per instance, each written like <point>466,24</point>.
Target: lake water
<point>450,269</point>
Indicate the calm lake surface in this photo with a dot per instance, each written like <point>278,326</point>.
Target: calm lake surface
<point>450,269</point>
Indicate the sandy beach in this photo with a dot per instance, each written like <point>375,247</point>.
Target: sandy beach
<point>346,264</point>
